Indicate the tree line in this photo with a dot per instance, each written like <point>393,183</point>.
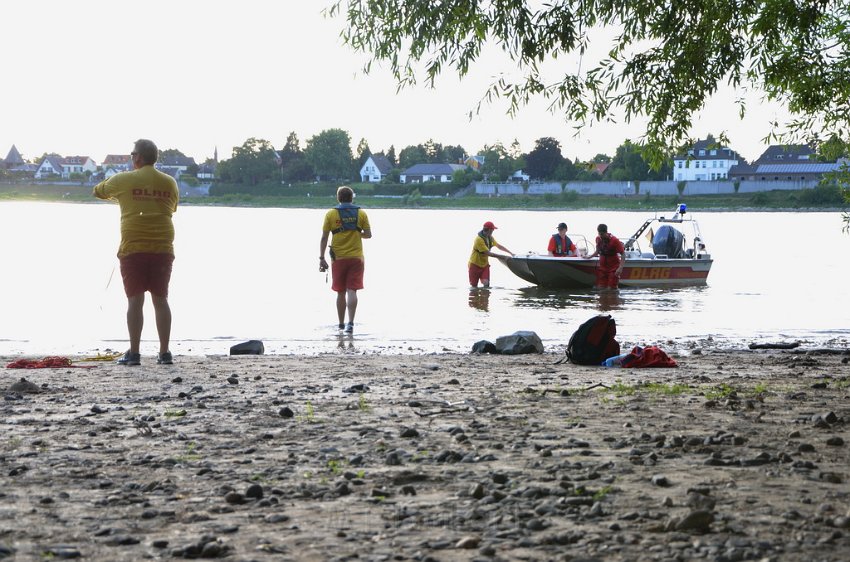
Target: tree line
<point>327,156</point>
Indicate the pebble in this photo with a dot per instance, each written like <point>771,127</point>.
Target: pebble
<point>254,491</point>
<point>409,432</point>
<point>835,441</point>
<point>234,498</point>
<point>24,386</point>
<point>660,480</point>
<point>286,412</point>
<point>468,542</point>
<point>695,521</point>
<point>500,478</point>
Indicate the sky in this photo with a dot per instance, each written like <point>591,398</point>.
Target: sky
<point>92,76</point>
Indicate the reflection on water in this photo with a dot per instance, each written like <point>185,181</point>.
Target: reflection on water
<point>674,298</point>
<point>634,299</point>
<point>345,343</point>
<point>643,300</point>
<point>538,297</point>
<point>610,300</point>
<point>479,299</point>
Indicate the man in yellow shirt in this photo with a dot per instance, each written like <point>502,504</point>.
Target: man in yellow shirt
<point>479,261</point>
<point>147,198</point>
<point>349,226</point>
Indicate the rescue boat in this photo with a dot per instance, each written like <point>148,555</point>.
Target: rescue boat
<point>669,259</point>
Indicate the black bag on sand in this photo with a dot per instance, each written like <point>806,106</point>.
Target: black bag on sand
<point>250,347</point>
<point>594,341</point>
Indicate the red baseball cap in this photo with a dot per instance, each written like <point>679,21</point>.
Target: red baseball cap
<point>489,225</point>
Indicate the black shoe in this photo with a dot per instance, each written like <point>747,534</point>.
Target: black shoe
<point>164,359</point>
<point>130,359</point>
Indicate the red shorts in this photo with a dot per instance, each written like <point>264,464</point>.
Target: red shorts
<point>347,273</point>
<point>146,272</point>
<point>477,273</point>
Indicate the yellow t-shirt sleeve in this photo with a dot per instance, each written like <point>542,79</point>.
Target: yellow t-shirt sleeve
<point>478,257</point>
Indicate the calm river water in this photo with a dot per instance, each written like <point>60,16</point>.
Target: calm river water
<point>244,273</point>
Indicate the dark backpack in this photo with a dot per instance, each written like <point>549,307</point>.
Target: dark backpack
<point>594,341</point>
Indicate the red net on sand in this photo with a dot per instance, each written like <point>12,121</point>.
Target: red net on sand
<point>53,362</point>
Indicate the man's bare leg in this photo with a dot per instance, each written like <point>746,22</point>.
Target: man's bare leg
<point>163,321</point>
<point>135,320</point>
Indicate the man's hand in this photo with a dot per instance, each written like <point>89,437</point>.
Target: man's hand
<point>323,265</point>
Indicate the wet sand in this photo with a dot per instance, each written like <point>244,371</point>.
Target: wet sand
<point>734,455</point>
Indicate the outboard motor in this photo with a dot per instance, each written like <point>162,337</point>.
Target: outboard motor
<point>669,241</point>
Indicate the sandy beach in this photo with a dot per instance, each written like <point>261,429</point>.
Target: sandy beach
<point>734,455</point>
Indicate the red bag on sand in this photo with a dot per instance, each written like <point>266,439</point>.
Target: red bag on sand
<point>649,356</point>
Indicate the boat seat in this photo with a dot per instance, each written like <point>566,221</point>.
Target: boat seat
<point>649,255</point>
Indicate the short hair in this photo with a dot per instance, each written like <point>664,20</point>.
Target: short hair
<point>344,194</point>
<point>147,150</point>
<point>602,228</point>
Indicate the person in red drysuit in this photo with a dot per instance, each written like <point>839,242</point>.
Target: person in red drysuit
<point>612,256</point>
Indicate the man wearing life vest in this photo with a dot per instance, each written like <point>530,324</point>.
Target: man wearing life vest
<point>479,261</point>
<point>560,244</point>
<point>147,199</point>
<point>349,226</point>
<point>612,256</point>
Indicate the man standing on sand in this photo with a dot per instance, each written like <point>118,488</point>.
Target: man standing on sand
<point>147,199</point>
<point>349,226</point>
<point>479,260</point>
<point>612,256</point>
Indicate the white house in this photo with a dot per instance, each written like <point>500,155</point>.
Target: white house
<point>705,161</point>
<point>51,165</point>
<point>519,176</point>
<point>421,173</point>
<point>55,165</point>
<point>375,168</point>
<point>206,171</point>
<point>77,165</point>
<point>115,164</point>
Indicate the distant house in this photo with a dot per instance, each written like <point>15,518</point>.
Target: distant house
<point>77,165</point>
<point>375,168</point>
<point>25,169</point>
<point>786,154</point>
<point>706,161</point>
<point>63,167</point>
<point>174,165</point>
<point>206,171</point>
<point>475,162</point>
<point>519,177</point>
<point>599,168</point>
<point>115,164</point>
<point>12,160</point>
<point>51,165</point>
<point>421,173</point>
<point>793,162</point>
